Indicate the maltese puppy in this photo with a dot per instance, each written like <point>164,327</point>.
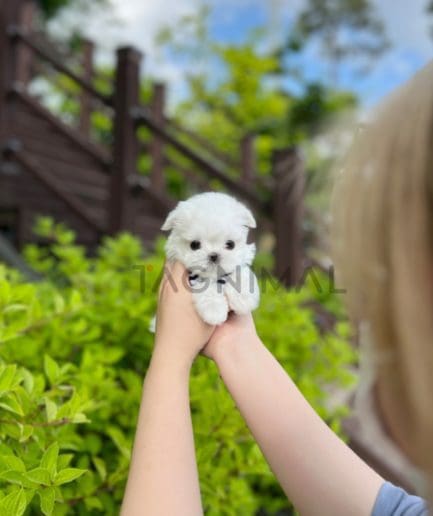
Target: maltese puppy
<point>208,235</point>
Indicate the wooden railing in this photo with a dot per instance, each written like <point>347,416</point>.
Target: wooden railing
<point>143,116</point>
<point>274,200</point>
<point>19,34</point>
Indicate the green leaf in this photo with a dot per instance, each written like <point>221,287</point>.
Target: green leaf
<point>51,369</point>
<point>11,404</point>
<point>68,475</point>
<point>100,467</point>
<point>64,460</point>
<point>26,433</point>
<point>79,417</point>
<point>47,497</point>
<point>49,459</point>
<point>7,376</point>
<point>15,308</point>
<point>59,303</point>
<point>16,477</point>
<point>14,430</point>
<point>92,502</point>
<point>11,462</point>
<point>29,381</point>
<point>75,300</point>
<point>120,441</point>
<point>14,504</point>
<point>50,409</point>
<point>30,493</point>
<point>39,476</point>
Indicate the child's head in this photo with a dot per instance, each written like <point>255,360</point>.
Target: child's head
<point>383,240</point>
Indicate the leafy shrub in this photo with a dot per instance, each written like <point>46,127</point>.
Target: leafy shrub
<point>74,349</point>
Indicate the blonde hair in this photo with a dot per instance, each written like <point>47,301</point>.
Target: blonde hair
<point>383,249</point>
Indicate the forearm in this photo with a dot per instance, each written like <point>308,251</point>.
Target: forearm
<point>318,472</point>
<point>163,478</point>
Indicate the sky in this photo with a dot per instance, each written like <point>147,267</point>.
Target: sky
<point>137,22</point>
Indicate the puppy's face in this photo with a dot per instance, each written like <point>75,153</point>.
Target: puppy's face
<point>209,234</point>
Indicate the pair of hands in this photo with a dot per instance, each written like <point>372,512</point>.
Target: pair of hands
<point>180,331</point>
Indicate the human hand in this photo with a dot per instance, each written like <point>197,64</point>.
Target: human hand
<point>237,332</point>
<point>180,332</point>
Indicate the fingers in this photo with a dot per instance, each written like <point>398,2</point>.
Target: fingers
<point>174,269</point>
<point>174,275</point>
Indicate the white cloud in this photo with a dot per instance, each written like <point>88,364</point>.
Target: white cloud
<point>407,24</point>
<point>131,22</point>
<point>136,22</point>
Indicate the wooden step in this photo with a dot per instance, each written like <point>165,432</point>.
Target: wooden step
<point>31,104</point>
<point>56,148</point>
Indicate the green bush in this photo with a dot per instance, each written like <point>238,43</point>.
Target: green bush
<point>74,349</point>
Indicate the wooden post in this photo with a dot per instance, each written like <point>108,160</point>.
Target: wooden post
<point>157,145</point>
<point>5,8</point>
<point>85,97</point>
<point>24,55</point>
<point>248,159</point>
<point>125,151</point>
<point>11,14</point>
<point>288,172</point>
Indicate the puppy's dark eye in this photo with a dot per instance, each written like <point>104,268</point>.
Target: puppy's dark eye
<point>230,244</point>
<point>195,244</point>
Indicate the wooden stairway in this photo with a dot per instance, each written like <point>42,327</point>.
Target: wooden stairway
<point>65,174</point>
<point>49,167</point>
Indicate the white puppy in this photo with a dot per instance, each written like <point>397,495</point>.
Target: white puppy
<point>208,235</point>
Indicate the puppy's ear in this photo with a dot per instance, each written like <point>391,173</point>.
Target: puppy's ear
<point>172,218</point>
<point>246,217</point>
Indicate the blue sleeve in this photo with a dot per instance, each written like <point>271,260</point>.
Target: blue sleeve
<point>394,501</point>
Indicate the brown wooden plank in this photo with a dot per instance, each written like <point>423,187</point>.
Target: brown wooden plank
<point>30,125</point>
<point>94,151</point>
<point>27,124</point>
<point>78,173</point>
<point>92,196</point>
<point>23,191</point>
<point>71,173</point>
<point>55,149</point>
<point>26,120</point>
<point>27,39</point>
<point>77,207</point>
<point>24,184</point>
<point>94,209</point>
<point>90,193</point>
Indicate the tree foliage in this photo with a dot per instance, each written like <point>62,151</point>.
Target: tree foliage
<point>344,29</point>
<point>74,351</point>
<point>235,89</point>
<point>51,8</point>
<point>429,11</point>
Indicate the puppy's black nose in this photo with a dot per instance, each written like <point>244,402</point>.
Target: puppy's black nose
<point>213,257</point>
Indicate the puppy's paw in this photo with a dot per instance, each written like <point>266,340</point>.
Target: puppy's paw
<point>243,297</point>
<point>243,304</point>
<point>212,310</point>
<point>152,324</point>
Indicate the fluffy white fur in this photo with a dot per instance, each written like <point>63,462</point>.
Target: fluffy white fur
<point>215,220</point>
